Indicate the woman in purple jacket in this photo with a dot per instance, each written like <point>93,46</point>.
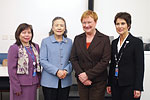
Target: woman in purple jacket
<point>23,65</point>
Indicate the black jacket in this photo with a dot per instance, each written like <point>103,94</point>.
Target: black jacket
<point>131,64</point>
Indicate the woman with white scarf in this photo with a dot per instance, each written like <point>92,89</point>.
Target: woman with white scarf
<point>23,65</point>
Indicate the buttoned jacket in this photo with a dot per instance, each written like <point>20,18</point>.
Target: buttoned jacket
<point>18,80</point>
<point>55,55</point>
<point>131,64</point>
<point>94,60</point>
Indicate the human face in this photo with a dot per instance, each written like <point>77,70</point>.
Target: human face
<point>58,27</point>
<point>88,25</point>
<point>25,36</point>
<point>121,26</point>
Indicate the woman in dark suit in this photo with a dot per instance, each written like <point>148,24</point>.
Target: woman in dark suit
<point>127,62</point>
<point>90,56</point>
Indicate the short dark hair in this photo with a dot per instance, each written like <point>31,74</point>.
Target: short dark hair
<point>124,15</point>
<point>21,28</point>
<point>65,32</point>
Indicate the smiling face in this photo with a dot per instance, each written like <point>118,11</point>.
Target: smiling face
<point>121,26</point>
<point>58,27</point>
<point>25,36</point>
<point>88,25</point>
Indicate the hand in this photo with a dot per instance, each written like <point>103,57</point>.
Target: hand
<point>108,89</point>
<point>18,93</point>
<point>87,82</point>
<point>60,74</point>
<point>137,94</point>
<point>65,74</point>
<point>83,77</point>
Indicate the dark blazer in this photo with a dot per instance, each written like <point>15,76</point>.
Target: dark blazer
<point>131,64</point>
<point>94,60</point>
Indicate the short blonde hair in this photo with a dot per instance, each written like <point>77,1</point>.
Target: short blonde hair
<point>89,13</point>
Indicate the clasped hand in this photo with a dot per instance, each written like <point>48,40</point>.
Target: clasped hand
<point>61,74</point>
<point>84,79</point>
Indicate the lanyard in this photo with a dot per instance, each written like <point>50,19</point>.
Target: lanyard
<point>118,60</point>
<point>31,54</point>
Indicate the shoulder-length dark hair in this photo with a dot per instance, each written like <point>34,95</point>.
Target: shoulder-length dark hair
<point>52,32</point>
<point>21,28</point>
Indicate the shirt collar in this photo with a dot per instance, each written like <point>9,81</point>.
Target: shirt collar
<point>55,41</point>
<point>119,47</point>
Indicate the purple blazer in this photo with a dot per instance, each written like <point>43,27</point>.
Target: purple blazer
<point>17,80</point>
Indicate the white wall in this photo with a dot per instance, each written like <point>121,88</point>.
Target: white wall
<point>139,10</point>
<point>145,94</point>
<point>40,14</point>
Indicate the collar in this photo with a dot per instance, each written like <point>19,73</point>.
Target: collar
<point>119,46</point>
<point>55,41</point>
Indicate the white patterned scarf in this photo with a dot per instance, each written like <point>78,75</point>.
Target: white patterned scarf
<point>23,60</point>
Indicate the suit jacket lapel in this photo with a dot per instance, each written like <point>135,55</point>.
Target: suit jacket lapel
<point>96,40</point>
<point>83,46</point>
<point>125,44</point>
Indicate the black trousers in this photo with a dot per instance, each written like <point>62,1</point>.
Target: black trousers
<point>56,93</point>
<point>123,92</point>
